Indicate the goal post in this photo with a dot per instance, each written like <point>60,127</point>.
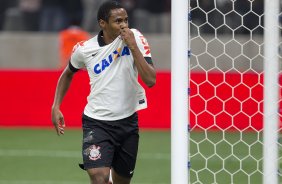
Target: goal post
<point>271,71</point>
<point>179,92</point>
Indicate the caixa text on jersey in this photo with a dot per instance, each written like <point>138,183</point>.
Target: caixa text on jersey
<point>101,66</point>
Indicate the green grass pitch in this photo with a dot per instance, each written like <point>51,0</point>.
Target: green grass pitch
<point>39,156</point>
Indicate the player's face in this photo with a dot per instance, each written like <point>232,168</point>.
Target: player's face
<point>117,21</point>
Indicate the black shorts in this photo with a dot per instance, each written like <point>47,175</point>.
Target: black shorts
<point>111,144</point>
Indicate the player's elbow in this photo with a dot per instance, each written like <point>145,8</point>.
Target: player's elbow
<point>150,83</point>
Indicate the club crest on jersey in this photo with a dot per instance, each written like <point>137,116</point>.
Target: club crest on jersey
<point>106,62</point>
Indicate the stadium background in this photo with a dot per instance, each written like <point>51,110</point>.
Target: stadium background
<point>30,67</point>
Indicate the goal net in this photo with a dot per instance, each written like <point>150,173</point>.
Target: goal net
<point>226,92</point>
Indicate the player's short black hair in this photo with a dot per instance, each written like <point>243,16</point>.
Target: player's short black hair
<point>105,10</point>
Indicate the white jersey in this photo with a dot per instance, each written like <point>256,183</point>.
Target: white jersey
<point>115,92</point>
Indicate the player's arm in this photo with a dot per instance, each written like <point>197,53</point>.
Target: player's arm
<point>146,71</point>
<point>61,90</point>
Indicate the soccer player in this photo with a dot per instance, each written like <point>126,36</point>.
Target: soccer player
<point>113,60</point>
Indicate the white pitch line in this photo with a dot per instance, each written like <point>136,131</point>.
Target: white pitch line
<point>39,153</point>
<point>68,154</point>
<point>50,182</point>
<point>37,182</point>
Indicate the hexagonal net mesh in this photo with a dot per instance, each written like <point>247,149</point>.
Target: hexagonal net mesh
<point>226,91</point>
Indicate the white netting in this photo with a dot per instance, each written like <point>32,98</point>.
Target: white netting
<point>226,91</point>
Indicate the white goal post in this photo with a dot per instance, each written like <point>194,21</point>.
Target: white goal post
<point>271,91</point>
<point>234,80</point>
<point>179,91</point>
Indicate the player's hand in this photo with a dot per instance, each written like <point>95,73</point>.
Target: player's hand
<point>128,37</point>
<point>58,121</point>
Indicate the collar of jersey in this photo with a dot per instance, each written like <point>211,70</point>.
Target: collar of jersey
<point>100,39</point>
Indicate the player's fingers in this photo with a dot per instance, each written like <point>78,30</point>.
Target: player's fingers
<point>57,128</point>
<point>62,126</point>
<point>62,122</point>
<point>61,131</point>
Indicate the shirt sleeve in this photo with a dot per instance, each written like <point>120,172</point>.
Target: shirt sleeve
<point>77,57</point>
<point>142,43</point>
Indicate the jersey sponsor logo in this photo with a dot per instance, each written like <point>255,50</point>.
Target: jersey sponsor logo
<point>106,62</point>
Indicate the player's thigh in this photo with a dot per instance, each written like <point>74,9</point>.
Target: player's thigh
<point>97,149</point>
<point>125,156</point>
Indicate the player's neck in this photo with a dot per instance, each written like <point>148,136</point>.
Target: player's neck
<point>107,38</point>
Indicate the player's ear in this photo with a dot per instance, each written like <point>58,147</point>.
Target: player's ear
<point>102,23</point>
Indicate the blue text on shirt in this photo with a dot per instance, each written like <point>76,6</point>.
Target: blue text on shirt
<point>101,66</point>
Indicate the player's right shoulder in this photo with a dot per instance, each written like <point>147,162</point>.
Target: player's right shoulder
<point>78,51</point>
<point>78,46</point>
<point>86,45</point>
